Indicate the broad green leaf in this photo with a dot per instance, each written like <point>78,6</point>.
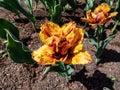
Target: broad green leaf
<point>6,25</point>
<point>9,7</point>
<point>16,6</point>
<point>23,11</point>
<point>17,51</point>
<point>2,33</point>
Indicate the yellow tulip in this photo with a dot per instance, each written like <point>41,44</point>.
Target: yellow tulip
<point>100,15</point>
<point>61,44</point>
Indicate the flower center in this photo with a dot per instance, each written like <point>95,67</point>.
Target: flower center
<point>63,48</point>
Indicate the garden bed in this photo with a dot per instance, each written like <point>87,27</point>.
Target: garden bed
<point>104,76</point>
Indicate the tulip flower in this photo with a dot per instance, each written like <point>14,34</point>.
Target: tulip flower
<point>61,44</point>
<point>100,15</point>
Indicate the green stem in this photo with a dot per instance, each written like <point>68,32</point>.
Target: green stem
<point>115,26</point>
<point>98,32</point>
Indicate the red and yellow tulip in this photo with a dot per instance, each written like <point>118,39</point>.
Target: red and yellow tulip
<point>61,44</point>
<point>100,15</point>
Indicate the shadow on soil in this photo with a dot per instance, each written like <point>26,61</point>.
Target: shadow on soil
<point>110,56</point>
<point>98,81</point>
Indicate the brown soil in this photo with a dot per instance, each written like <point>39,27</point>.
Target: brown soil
<point>14,76</point>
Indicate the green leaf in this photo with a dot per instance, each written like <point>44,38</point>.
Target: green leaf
<point>56,14</point>
<point>6,25</point>
<point>104,44</point>
<point>9,7</point>
<point>29,5</point>
<point>69,69</point>
<point>109,2</point>
<point>2,33</point>
<point>16,6</point>
<point>17,51</point>
<point>94,42</point>
<point>62,69</point>
<point>89,5</point>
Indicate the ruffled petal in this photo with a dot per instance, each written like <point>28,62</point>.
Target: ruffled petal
<point>76,35</point>
<point>47,30</point>
<point>83,57</point>
<point>77,48</point>
<point>81,32</point>
<point>105,19</point>
<point>113,14</point>
<point>104,7</point>
<point>44,56</point>
<point>53,42</point>
<point>91,17</point>
<point>68,27</point>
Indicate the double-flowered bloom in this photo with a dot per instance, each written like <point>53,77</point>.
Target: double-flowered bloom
<point>100,15</point>
<point>61,44</point>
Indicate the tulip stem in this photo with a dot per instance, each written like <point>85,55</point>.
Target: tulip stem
<point>115,26</point>
<point>98,35</point>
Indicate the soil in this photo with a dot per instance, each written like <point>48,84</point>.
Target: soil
<point>14,76</point>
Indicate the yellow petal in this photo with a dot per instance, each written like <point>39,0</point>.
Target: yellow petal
<point>43,56</point>
<point>53,42</point>
<point>81,32</point>
<point>89,14</point>
<point>83,57</point>
<point>91,17</point>
<point>105,19</point>
<point>78,48</point>
<point>113,14</point>
<point>88,20</point>
<point>74,35</point>
<point>68,27</point>
<point>47,30</point>
<point>104,7</point>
